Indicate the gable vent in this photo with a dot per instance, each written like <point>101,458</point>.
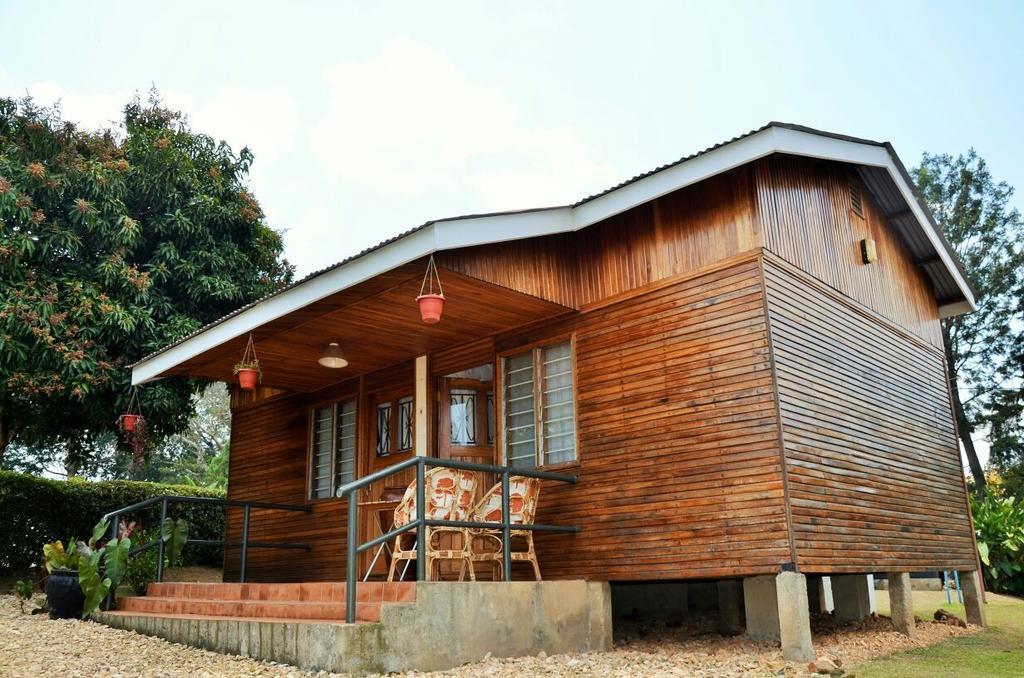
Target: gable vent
<point>856,200</point>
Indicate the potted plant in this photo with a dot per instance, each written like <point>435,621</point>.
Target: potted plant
<point>431,303</point>
<point>131,418</point>
<point>248,369</point>
<point>80,575</point>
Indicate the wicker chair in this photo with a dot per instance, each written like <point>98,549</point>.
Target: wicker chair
<point>485,545</point>
<point>449,494</point>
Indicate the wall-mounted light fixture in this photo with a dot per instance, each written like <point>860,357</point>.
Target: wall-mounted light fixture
<point>868,252</point>
<point>333,357</point>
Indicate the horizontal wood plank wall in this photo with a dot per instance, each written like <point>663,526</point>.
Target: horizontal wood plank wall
<point>804,209</point>
<point>680,473</point>
<point>268,463</point>
<point>874,472</point>
<point>676,234</point>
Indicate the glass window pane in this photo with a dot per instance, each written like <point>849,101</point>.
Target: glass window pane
<point>520,429</point>
<point>345,459</point>
<point>490,417</point>
<point>462,415</point>
<point>383,429</point>
<point>558,411</point>
<point>406,431</point>
<point>320,454</point>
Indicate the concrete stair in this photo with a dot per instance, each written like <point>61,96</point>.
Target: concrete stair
<point>314,602</point>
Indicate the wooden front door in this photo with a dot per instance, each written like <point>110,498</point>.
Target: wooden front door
<point>465,411</point>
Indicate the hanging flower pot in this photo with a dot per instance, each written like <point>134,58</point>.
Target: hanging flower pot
<point>431,303</point>
<point>248,370</point>
<point>133,425</point>
<point>128,422</point>
<point>431,307</point>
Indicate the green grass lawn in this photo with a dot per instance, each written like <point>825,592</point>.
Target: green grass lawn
<point>999,651</point>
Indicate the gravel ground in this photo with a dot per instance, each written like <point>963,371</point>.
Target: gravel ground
<point>36,645</point>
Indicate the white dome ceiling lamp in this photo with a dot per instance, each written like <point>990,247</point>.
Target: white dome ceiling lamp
<point>333,357</point>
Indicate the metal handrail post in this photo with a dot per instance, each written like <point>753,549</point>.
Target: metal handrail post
<point>245,542</point>
<point>350,561</point>
<point>160,539</point>
<point>506,532</point>
<point>421,525</point>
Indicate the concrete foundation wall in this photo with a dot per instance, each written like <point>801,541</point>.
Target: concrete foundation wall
<point>450,623</point>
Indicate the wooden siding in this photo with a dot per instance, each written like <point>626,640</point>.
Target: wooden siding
<point>679,465</point>
<point>873,466</point>
<point>676,234</point>
<point>269,451</point>
<point>804,210</point>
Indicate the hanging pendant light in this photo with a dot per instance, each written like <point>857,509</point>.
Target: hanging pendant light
<point>333,357</point>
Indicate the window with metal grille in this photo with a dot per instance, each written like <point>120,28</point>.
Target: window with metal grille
<point>462,413</point>
<point>405,424</point>
<point>539,409</point>
<point>383,429</point>
<point>332,452</point>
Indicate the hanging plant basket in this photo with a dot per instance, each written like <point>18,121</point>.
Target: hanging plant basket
<point>248,370</point>
<point>431,303</point>
<point>132,419</point>
<point>133,425</point>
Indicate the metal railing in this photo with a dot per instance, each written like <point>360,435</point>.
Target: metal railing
<point>420,524</point>
<point>245,544</point>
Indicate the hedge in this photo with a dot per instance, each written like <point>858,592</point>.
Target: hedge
<point>34,511</point>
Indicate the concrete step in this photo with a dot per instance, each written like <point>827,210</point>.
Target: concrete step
<point>321,601</point>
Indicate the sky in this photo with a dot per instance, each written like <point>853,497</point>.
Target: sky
<point>367,118</point>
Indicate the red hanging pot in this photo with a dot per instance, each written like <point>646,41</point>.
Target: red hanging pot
<point>431,307</point>
<point>129,421</point>
<point>247,379</point>
<point>431,303</point>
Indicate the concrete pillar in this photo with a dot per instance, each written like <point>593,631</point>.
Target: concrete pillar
<point>851,597</point>
<point>777,609</point>
<point>973,605</point>
<point>730,614</point>
<point>901,604</point>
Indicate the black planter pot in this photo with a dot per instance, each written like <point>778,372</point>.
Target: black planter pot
<point>64,595</point>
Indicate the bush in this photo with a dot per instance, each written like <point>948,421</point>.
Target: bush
<point>34,511</point>
<point>999,524</point>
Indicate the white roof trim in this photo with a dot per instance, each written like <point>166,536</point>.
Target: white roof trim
<point>487,229</point>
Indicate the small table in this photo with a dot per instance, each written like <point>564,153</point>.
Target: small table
<point>384,510</point>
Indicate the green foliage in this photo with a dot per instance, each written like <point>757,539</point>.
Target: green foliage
<point>36,510</point>
<point>999,524</point>
<point>23,592</point>
<point>174,534</point>
<point>56,557</point>
<point>114,244</point>
<point>983,349</point>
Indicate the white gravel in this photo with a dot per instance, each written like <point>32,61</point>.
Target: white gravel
<point>36,646</point>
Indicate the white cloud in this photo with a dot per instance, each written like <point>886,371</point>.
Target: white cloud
<point>407,122</point>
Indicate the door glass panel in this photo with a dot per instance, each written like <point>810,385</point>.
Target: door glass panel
<point>462,413</point>
<point>490,417</point>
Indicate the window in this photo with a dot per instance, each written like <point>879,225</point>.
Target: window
<point>462,413</point>
<point>396,426</point>
<point>332,448</point>
<point>539,407</point>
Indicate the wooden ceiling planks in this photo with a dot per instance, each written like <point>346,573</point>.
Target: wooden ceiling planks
<point>379,326</point>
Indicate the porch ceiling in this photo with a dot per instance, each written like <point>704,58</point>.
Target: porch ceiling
<point>377,324</point>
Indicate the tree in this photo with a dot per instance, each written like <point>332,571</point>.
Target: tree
<point>114,244</point>
<point>974,212</point>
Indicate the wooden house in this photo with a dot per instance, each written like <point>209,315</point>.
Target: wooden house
<point>738,355</point>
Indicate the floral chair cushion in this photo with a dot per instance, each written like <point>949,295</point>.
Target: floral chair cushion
<point>449,494</point>
<point>523,493</point>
